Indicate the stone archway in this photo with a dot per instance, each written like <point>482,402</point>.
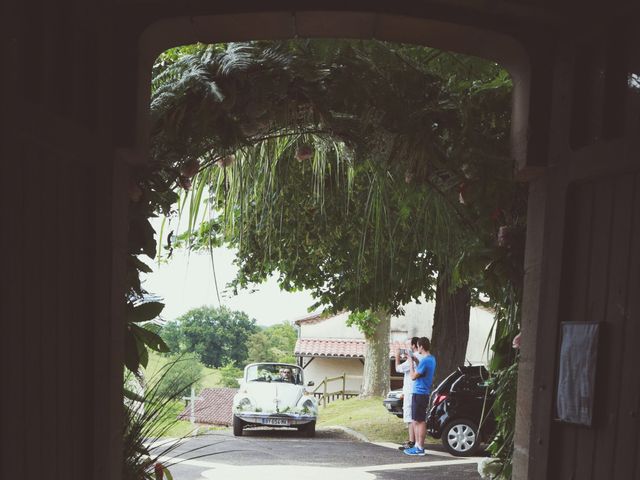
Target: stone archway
<point>75,98</point>
<point>469,40</point>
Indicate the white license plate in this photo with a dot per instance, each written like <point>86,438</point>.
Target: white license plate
<point>275,421</point>
<point>388,406</point>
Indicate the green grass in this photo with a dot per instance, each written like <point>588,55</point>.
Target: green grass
<point>175,428</point>
<point>365,416</point>
<point>210,376</point>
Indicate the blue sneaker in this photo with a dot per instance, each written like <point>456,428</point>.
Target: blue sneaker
<point>415,451</point>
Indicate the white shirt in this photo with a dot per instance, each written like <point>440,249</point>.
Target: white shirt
<point>405,367</point>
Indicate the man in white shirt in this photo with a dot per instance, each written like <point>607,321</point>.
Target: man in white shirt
<point>407,387</point>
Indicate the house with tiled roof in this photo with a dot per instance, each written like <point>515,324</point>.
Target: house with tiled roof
<point>213,406</point>
<point>327,347</point>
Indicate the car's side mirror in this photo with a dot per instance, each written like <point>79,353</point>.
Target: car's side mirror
<point>311,383</point>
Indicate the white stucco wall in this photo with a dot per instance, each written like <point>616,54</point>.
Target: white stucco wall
<point>332,327</point>
<point>320,368</point>
<point>480,322</point>
<point>417,321</point>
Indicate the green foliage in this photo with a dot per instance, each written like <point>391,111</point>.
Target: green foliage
<point>149,414</point>
<point>229,375</point>
<point>209,378</point>
<point>215,335</point>
<point>355,169</point>
<point>140,337</point>
<point>505,383</point>
<point>379,137</point>
<point>144,312</point>
<point>366,322</point>
<point>301,236</point>
<point>504,375</point>
<point>185,372</point>
<point>259,348</point>
<point>367,417</point>
<point>273,344</point>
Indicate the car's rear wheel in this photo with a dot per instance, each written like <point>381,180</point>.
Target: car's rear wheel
<point>308,429</point>
<point>237,426</point>
<point>460,438</point>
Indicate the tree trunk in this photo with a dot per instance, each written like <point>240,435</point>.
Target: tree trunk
<point>450,327</point>
<point>376,359</point>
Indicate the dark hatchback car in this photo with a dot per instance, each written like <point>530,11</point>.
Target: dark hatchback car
<point>394,401</point>
<point>460,411</point>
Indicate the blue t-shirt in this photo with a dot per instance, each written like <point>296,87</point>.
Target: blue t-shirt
<point>426,369</point>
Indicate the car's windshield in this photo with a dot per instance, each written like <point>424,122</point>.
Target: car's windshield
<point>268,372</point>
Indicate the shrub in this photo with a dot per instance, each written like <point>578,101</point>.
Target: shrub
<point>184,371</point>
<point>229,375</point>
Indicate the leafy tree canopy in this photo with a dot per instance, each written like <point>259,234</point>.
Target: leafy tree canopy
<point>229,375</point>
<point>275,343</point>
<point>216,335</point>
<point>343,164</point>
<point>414,139</point>
<point>178,376</point>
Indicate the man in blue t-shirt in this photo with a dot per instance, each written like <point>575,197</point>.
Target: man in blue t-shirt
<point>422,374</point>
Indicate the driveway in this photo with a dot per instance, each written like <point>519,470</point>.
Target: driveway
<point>332,455</point>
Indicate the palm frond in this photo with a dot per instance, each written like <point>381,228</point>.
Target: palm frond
<point>390,143</point>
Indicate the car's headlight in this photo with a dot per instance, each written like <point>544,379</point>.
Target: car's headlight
<point>309,406</point>
<point>245,404</point>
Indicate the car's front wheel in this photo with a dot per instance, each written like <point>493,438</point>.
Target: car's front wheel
<point>237,426</point>
<point>308,429</point>
<point>461,438</point>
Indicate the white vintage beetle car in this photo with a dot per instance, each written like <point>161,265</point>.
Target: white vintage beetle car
<point>274,395</point>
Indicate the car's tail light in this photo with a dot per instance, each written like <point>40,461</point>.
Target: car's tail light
<point>440,397</point>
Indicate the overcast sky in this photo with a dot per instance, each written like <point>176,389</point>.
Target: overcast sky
<point>187,282</point>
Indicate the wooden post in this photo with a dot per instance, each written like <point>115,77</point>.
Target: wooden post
<point>192,399</point>
<point>324,392</point>
<point>344,384</point>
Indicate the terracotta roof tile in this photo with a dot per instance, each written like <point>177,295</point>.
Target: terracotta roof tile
<point>213,406</point>
<point>331,347</point>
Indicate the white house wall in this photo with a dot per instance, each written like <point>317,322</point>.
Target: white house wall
<point>320,368</point>
<point>417,321</point>
<point>332,327</point>
<point>480,322</point>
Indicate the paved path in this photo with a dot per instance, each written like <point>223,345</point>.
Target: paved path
<point>284,455</point>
